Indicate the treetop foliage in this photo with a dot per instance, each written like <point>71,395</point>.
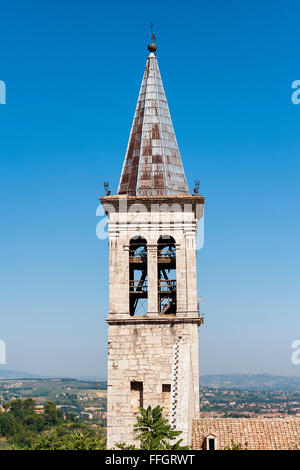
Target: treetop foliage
<point>23,428</point>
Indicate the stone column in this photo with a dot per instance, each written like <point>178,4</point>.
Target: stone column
<point>118,278</point>
<point>195,370</point>
<point>190,247</point>
<point>152,281</point>
<point>181,277</point>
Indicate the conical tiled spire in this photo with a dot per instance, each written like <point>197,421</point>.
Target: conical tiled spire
<point>152,163</point>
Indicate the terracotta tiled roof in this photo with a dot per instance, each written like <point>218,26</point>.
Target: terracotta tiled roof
<point>260,434</point>
<point>152,163</point>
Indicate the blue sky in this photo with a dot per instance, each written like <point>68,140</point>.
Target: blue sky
<point>72,72</point>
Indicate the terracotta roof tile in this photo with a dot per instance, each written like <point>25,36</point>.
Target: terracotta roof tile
<point>260,434</point>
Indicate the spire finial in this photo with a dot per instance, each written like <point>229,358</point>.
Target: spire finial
<point>152,45</point>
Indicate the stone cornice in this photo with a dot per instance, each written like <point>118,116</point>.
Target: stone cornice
<point>124,203</point>
<point>180,198</point>
<point>153,321</point>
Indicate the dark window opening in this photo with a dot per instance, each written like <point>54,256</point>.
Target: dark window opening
<point>166,266</point>
<point>211,444</point>
<point>138,276</point>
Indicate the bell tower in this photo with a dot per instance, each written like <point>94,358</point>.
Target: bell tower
<point>153,310</point>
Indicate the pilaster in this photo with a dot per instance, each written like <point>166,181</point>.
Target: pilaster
<point>152,281</point>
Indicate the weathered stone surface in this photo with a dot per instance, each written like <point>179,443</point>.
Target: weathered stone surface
<point>154,370</point>
<point>154,349</point>
<point>153,359</point>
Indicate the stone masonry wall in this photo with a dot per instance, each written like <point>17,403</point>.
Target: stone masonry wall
<point>143,352</point>
<point>142,349</point>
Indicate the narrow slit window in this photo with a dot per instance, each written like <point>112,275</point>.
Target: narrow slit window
<point>166,397</point>
<point>136,395</point>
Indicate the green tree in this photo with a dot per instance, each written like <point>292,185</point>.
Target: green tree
<point>124,446</point>
<point>52,415</point>
<point>70,416</point>
<point>47,441</point>
<point>7,424</point>
<point>28,406</point>
<point>154,432</point>
<point>17,409</point>
<point>39,423</point>
<point>24,429</point>
<point>75,440</point>
<point>85,441</point>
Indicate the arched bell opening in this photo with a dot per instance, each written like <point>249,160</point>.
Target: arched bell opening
<point>138,276</point>
<point>166,270</point>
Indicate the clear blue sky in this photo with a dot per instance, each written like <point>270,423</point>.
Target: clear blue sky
<point>73,71</point>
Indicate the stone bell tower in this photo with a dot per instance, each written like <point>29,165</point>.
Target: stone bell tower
<point>153,310</point>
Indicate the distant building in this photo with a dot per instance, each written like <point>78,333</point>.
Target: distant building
<point>85,415</point>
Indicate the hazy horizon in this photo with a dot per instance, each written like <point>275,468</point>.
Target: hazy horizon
<point>99,378</point>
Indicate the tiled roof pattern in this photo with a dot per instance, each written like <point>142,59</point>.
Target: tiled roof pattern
<point>260,434</point>
<point>152,163</point>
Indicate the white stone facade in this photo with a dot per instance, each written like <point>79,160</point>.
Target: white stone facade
<point>152,359</point>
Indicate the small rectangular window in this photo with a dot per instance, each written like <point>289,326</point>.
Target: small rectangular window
<point>211,444</point>
<point>166,397</point>
<point>136,395</point>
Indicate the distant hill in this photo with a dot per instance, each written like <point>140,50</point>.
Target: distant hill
<point>15,374</point>
<point>266,382</point>
<point>251,382</point>
<point>90,378</point>
<point>6,374</point>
